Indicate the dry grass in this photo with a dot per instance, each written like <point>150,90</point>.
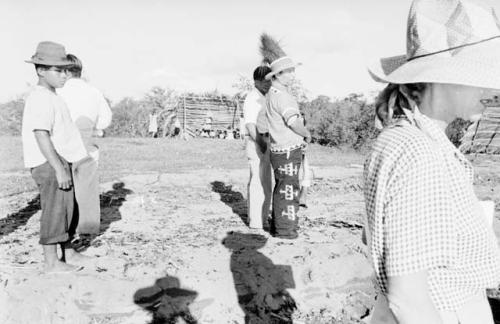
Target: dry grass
<point>125,156</point>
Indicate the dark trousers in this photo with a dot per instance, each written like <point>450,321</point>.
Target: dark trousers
<point>57,206</point>
<point>286,193</point>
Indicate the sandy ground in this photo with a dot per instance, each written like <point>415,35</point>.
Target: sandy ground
<point>174,248</point>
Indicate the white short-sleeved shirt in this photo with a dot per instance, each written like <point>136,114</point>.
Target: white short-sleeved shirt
<point>88,108</point>
<point>280,108</point>
<point>45,110</point>
<point>255,102</point>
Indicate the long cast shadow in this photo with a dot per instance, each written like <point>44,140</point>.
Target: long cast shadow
<point>260,284</point>
<point>15,220</point>
<point>110,203</point>
<point>166,301</point>
<point>233,199</point>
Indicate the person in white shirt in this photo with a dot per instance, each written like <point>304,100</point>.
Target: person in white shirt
<point>91,113</point>
<point>51,144</point>
<point>260,181</point>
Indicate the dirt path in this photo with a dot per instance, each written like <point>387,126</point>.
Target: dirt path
<point>175,246</point>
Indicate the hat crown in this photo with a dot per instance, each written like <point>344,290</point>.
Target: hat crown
<point>49,53</point>
<point>444,27</point>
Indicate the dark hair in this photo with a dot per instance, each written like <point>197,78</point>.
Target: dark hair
<point>75,65</point>
<point>259,74</point>
<point>406,96</point>
<point>41,66</point>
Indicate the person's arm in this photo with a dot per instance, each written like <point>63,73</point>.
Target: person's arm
<point>407,291</point>
<point>104,114</point>
<point>297,126</point>
<point>63,173</point>
<point>252,130</point>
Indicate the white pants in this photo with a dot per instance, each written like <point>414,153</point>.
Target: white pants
<point>305,173</point>
<point>475,311</point>
<point>259,184</point>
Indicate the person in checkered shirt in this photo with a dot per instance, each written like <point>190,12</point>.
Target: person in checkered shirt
<point>432,248</point>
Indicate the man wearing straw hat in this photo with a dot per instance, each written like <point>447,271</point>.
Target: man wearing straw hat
<point>288,136</point>
<point>51,143</point>
<point>433,249</point>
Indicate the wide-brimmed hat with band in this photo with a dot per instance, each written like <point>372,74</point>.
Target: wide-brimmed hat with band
<point>50,54</point>
<point>281,64</point>
<point>274,56</point>
<point>448,41</point>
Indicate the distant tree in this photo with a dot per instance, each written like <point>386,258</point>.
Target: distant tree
<point>348,121</point>
<point>244,84</point>
<point>456,130</point>
<point>158,98</point>
<point>11,115</point>
<point>130,119</point>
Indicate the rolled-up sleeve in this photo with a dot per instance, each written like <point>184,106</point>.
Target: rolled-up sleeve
<point>41,113</point>
<point>288,108</point>
<point>104,114</point>
<point>251,108</point>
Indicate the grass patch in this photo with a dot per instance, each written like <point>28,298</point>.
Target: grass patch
<point>125,156</point>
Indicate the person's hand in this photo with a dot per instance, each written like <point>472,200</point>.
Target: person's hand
<point>63,176</point>
<point>262,145</point>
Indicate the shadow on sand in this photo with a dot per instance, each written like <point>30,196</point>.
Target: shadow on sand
<point>233,199</point>
<point>260,284</point>
<point>110,202</point>
<point>15,220</point>
<point>167,302</point>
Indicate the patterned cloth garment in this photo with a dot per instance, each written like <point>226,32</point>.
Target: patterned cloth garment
<point>422,213</point>
<point>286,167</point>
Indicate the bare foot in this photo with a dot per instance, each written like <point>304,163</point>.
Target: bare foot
<point>61,267</point>
<point>75,257</point>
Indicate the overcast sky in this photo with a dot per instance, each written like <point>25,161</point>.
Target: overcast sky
<point>128,46</point>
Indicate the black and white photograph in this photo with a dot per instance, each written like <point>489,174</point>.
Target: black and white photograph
<point>250,162</point>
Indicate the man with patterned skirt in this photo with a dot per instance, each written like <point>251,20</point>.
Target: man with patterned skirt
<point>288,137</point>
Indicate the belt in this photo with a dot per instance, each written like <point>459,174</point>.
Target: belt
<point>288,149</point>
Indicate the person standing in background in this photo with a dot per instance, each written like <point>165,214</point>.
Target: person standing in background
<point>91,113</point>
<point>260,182</point>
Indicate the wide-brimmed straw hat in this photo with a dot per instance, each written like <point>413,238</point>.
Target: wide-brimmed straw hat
<point>50,54</point>
<point>448,41</point>
<point>281,64</point>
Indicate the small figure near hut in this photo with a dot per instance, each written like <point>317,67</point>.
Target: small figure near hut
<point>153,124</point>
<point>177,128</point>
<point>206,129</point>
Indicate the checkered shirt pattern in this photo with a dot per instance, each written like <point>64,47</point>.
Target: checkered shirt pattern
<point>422,214</point>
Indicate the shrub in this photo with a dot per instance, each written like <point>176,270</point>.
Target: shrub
<point>11,115</point>
<point>343,122</point>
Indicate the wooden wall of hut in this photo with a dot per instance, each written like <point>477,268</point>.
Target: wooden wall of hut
<point>484,135</point>
<point>193,112</point>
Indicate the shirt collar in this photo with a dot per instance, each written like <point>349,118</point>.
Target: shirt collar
<point>279,86</point>
<point>258,92</point>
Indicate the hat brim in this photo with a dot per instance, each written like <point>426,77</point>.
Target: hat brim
<point>273,73</point>
<point>477,65</point>
<point>49,63</point>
